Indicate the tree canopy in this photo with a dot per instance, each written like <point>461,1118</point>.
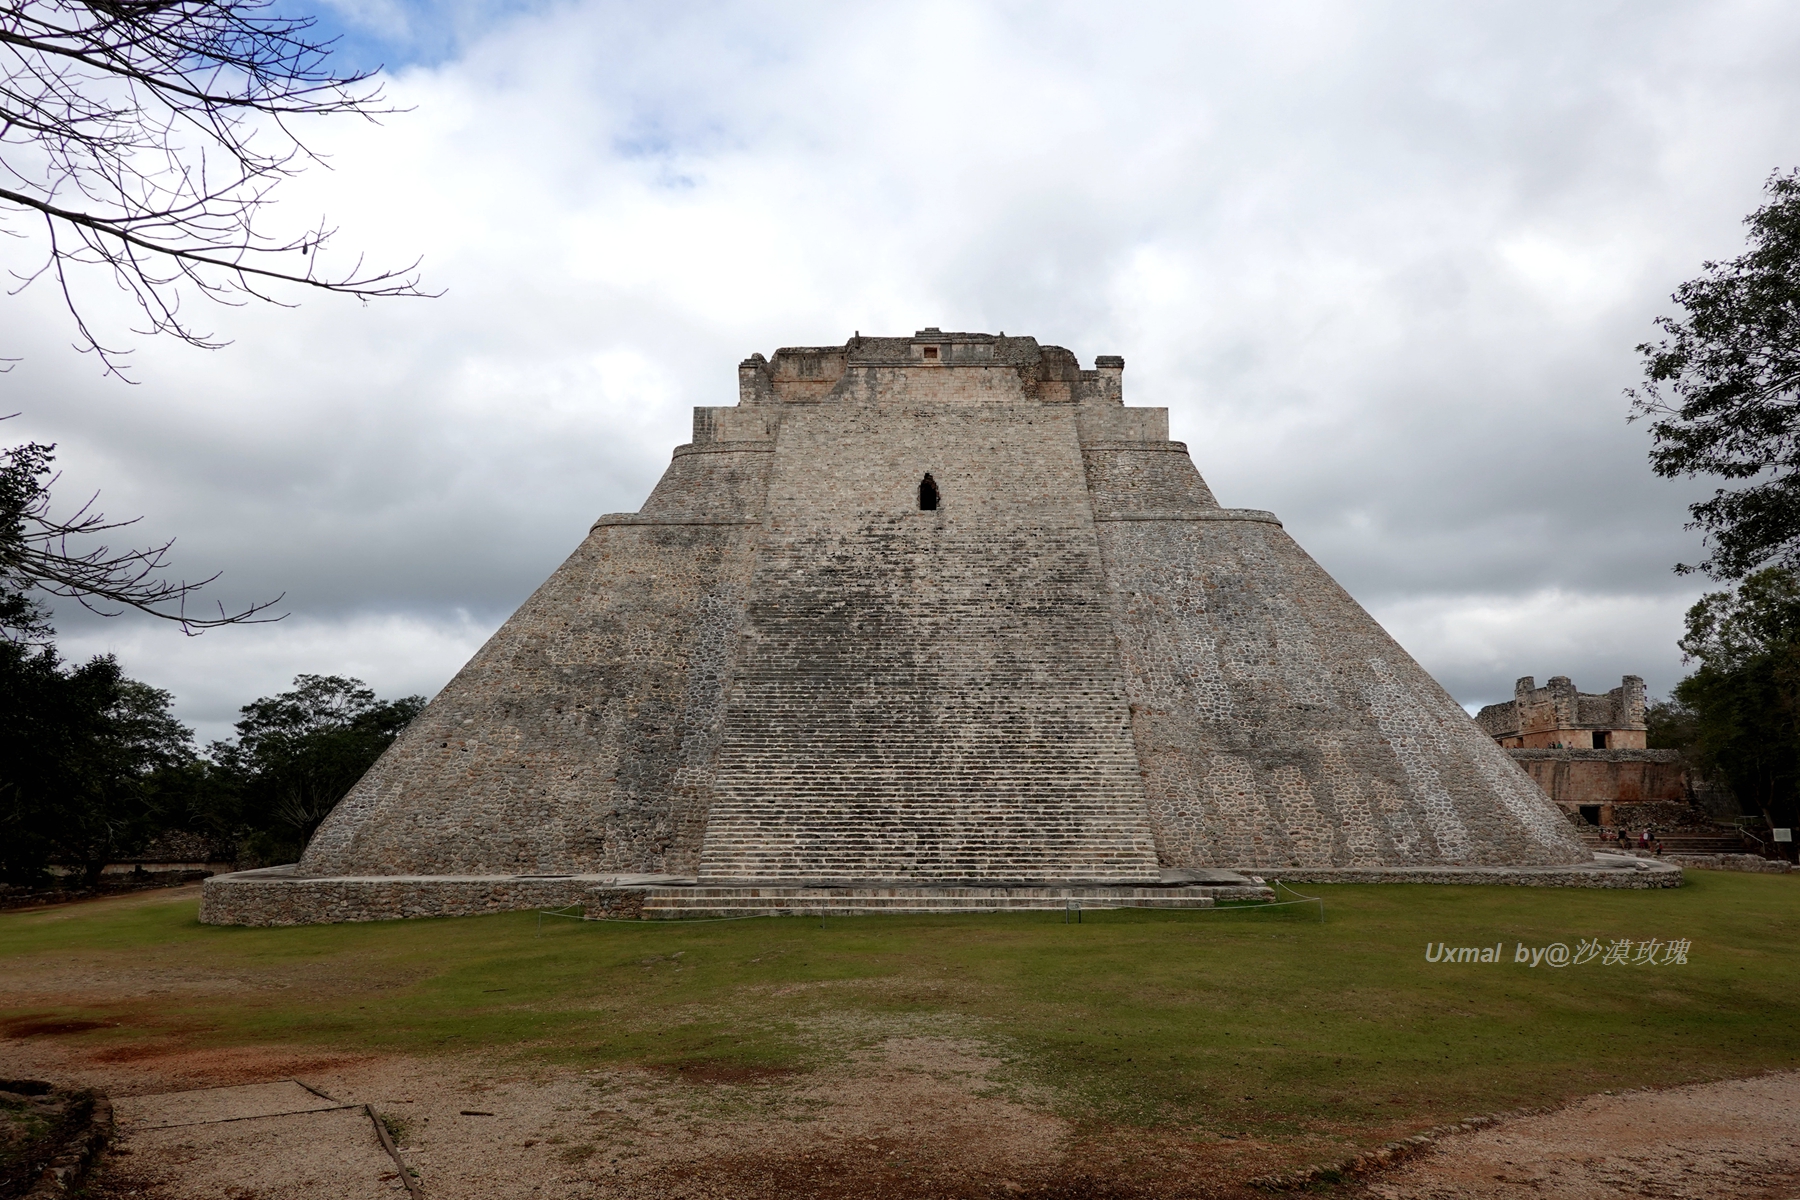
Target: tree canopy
<point>144,138</point>
<point>1723,391</point>
<point>94,766</point>
<point>80,750</point>
<point>297,753</point>
<point>91,761</point>
<point>1738,714</point>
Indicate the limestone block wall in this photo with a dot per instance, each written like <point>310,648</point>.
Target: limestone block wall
<point>1557,716</point>
<point>582,736</point>
<point>1277,724</point>
<point>1144,477</point>
<point>272,897</point>
<point>928,694</point>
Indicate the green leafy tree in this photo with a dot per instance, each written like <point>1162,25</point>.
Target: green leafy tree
<point>197,795</point>
<point>1670,725</point>
<point>81,749</point>
<point>297,753</point>
<point>1743,702</point>
<point>1723,391</point>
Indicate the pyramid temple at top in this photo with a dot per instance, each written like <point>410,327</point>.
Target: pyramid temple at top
<point>938,609</point>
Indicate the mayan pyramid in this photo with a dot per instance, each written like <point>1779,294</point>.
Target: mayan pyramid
<point>928,610</point>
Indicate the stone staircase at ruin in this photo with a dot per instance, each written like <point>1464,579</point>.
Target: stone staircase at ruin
<point>814,837</point>
<point>776,900</point>
<point>1681,843</point>
<point>928,695</point>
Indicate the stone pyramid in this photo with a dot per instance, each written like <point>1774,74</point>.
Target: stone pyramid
<point>938,609</point>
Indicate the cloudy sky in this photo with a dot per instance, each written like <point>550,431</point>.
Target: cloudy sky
<point>1385,264</point>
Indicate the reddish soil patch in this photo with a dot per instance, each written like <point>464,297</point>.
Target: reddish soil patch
<point>1103,1163</point>
<point>709,1071</point>
<point>24,1027</point>
<point>888,1173</point>
<point>136,1053</point>
<point>181,1065</point>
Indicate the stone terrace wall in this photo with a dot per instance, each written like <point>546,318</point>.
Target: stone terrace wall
<point>1144,477</point>
<point>272,897</point>
<point>1573,777</point>
<point>928,694</point>
<point>582,736</point>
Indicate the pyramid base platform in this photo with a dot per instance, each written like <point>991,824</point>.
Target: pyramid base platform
<point>284,896</point>
<point>777,900</point>
<point>1606,871</point>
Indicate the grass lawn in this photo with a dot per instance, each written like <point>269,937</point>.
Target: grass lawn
<point>1265,1021</point>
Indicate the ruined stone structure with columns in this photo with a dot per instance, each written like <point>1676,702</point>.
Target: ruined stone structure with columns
<point>925,622</point>
<point>1557,717</point>
<point>1588,752</point>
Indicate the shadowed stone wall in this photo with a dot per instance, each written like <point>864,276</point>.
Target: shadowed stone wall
<point>1577,777</point>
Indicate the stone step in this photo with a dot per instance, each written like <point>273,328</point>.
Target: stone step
<point>776,899</point>
<point>953,892</point>
<point>1681,843</point>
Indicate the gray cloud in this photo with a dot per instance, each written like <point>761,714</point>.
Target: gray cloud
<point>1384,264</point>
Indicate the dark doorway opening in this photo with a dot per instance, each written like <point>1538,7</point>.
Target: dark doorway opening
<point>1599,741</point>
<point>1590,813</point>
<point>928,493</point>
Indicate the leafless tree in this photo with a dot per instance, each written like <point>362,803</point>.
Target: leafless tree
<point>146,137</point>
<point>45,553</point>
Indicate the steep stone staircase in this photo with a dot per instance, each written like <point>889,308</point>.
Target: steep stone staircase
<point>928,695</point>
<point>817,834</point>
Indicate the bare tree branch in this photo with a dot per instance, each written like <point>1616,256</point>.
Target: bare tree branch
<point>41,552</point>
<point>147,135</point>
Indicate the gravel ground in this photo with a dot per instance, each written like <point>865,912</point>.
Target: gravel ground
<point>915,1116</point>
<point>1716,1141</point>
<point>912,1116</point>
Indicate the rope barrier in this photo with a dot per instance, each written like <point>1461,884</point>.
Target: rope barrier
<point>1304,899</point>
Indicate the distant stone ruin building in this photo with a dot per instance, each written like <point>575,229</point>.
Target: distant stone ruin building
<point>1557,717</point>
<point>924,622</point>
<point>1587,751</point>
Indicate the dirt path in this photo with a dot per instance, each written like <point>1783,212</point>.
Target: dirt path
<point>916,1114</point>
<point>1717,1141</point>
